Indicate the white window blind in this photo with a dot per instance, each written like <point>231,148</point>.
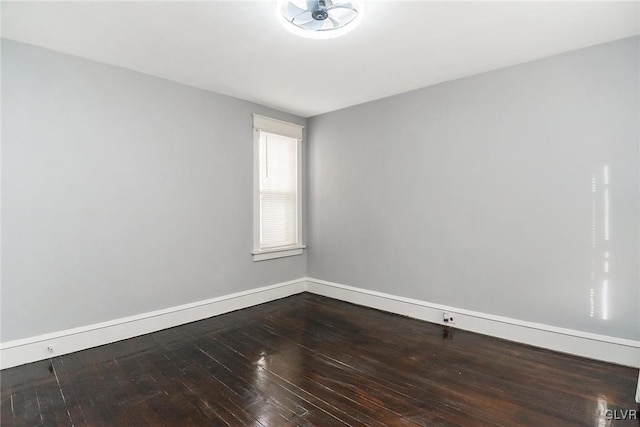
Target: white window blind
<point>278,190</point>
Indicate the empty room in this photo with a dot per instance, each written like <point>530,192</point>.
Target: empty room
<point>320,213</point>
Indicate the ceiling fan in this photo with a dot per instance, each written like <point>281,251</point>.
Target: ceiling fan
<point>320,18</point>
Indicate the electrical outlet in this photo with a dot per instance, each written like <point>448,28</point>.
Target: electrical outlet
<point>447,318</point>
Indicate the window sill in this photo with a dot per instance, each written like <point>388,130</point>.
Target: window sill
<point>265,254</point>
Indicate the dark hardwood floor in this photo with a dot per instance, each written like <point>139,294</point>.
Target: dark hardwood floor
<point>313,361</point>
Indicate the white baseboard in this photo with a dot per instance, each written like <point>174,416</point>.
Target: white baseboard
<point>594,346</point>
<point>600,347</point>
<point>18,352</point>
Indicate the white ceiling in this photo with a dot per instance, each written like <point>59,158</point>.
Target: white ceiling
<point>239,48</point>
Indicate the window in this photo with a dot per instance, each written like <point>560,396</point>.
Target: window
<point>277,189</point>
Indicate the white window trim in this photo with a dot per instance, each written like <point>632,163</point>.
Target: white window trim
<point>291,130</point>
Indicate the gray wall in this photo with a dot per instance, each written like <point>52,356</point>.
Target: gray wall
<point>479,193</point>
<point>121,193</point>
<point>124,193</point>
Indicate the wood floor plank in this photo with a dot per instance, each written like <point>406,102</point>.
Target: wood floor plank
<point>163,398</point>
<point>395,377</point>
<point>353,382</point>
<point>312,378</point>
<point>433,405</point>
<point>273,388</point>
<point>183,367</point>
<point>484,387</point>
<point>308,360</point>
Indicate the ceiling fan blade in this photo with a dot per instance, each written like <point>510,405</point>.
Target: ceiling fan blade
<point>303,17</point>
<point>312,25</point>
<point>312,5</point>
<point>293,10</point>
<point>335,22</point>
<point>343,14</point>
<point>342,6</point>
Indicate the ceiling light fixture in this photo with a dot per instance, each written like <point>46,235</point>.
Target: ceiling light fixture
<point>319,19</point>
